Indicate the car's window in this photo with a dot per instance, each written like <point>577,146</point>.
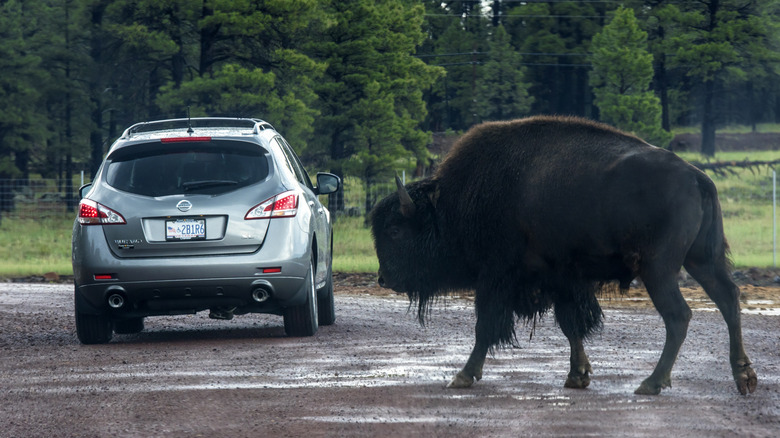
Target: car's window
<point>294,163</point>
<point>187,168</point>
<point>287,162</point>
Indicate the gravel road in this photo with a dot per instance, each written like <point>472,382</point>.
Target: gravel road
<point>376,372</point>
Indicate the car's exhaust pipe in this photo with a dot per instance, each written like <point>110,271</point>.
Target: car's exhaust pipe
<point>260,294</point>
<point>116,301</point>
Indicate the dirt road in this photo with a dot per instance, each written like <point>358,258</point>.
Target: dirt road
<point>375,373</point>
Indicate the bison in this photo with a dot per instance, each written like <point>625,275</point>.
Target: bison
<point>547,213</point>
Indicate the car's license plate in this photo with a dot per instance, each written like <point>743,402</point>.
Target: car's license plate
<point>185,229</point>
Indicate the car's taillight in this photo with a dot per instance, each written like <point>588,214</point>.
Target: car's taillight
<point>92,213</point>
<point>282,205</point>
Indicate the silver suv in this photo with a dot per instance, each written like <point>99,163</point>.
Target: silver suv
<point>189,215</point>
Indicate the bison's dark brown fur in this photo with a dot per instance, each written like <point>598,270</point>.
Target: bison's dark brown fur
<point>541,213</point>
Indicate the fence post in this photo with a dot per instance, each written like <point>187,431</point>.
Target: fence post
<point>774,218</point>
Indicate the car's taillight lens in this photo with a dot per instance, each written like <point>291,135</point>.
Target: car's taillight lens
<point>92,213</point>
<point>282,205</point>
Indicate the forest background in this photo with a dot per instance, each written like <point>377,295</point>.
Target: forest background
<point>365,88</point>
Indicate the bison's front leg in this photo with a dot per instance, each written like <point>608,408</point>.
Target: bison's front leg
<point>495,324</point>
<point>472,371</point>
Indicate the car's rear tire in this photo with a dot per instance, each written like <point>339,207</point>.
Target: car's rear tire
<point>326,307</point>
<point>93,329</point>
<point>301,320</point>
<point>128,326</point>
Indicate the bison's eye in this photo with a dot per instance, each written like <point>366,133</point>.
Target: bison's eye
<point>394,232</point>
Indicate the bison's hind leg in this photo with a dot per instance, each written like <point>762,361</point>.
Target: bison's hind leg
<point>661,284</point>
<point>578,314</point>
<point>717,282</point>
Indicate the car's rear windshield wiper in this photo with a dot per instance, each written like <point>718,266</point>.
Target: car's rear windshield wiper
<point>193,185</point>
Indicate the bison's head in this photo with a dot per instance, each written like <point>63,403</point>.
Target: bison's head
<point>408,239</point>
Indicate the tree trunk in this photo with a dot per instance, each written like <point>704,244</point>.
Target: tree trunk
<point>97,87</point>
<point>708,120</point>
<point>337,155</point>
<point>96,137</point>
<point>368,201</point>
<point>662,90</point>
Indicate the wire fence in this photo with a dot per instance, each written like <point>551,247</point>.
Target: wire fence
<point>360,195</point>
<point>749,204</point>
<point>39,198</point>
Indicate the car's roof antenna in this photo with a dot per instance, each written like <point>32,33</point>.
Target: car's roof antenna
<point>189,122</point>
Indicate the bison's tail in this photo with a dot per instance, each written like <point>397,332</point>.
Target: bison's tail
<point>710,246</point>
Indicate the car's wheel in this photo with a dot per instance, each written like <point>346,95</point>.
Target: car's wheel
<point>128,326</point>
<point>302,320</point>
<point>92,329</point>
<point>326,307</point>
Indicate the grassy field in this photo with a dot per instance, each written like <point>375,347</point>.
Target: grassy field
<point>35,247</point>
<point>735,129</point>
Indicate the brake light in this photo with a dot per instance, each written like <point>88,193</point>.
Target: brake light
<point>93,213</point>
<point>282,205</point>
<point>184,139</point>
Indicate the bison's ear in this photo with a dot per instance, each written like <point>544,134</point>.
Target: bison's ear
<point>407,205</point>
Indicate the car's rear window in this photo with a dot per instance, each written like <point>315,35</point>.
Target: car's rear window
<point>207,167</point>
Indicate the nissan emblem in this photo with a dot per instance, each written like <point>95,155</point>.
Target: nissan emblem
<point>184,205</point>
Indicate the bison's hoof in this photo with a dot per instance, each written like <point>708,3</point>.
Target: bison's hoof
<point>577,381</point>
<point>461,380</point>
<point>746,380</point>
<point>651,387</point>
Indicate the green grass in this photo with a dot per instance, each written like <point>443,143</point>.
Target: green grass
<point>37,246</point>
<point>353,246</point>
<point>736,129</point>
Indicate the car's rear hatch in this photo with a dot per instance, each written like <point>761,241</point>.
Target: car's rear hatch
<point>186,198</point>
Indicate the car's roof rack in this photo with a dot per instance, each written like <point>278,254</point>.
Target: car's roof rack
<point>256,125</point>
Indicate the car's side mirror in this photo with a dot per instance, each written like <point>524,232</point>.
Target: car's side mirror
<point>327,183</point>
<point>83,190</point>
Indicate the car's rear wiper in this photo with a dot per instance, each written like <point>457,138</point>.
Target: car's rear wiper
<point>192,185</point>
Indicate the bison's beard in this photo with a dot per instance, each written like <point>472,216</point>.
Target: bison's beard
<point>425,297</point>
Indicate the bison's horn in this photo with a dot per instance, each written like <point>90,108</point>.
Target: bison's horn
<point>407,205</point>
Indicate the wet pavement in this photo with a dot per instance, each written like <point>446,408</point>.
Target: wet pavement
<point>376,372</point>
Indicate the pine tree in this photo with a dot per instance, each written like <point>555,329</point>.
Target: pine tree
<point>556,37</point>
<point>252,61</point>
<point>371,99</point>
<point>621,77</point>
<point>723,43</point>
<point>503,92</point>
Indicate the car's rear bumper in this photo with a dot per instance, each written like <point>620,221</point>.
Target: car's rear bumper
<point>180,296</point>
<point>174,285</point>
